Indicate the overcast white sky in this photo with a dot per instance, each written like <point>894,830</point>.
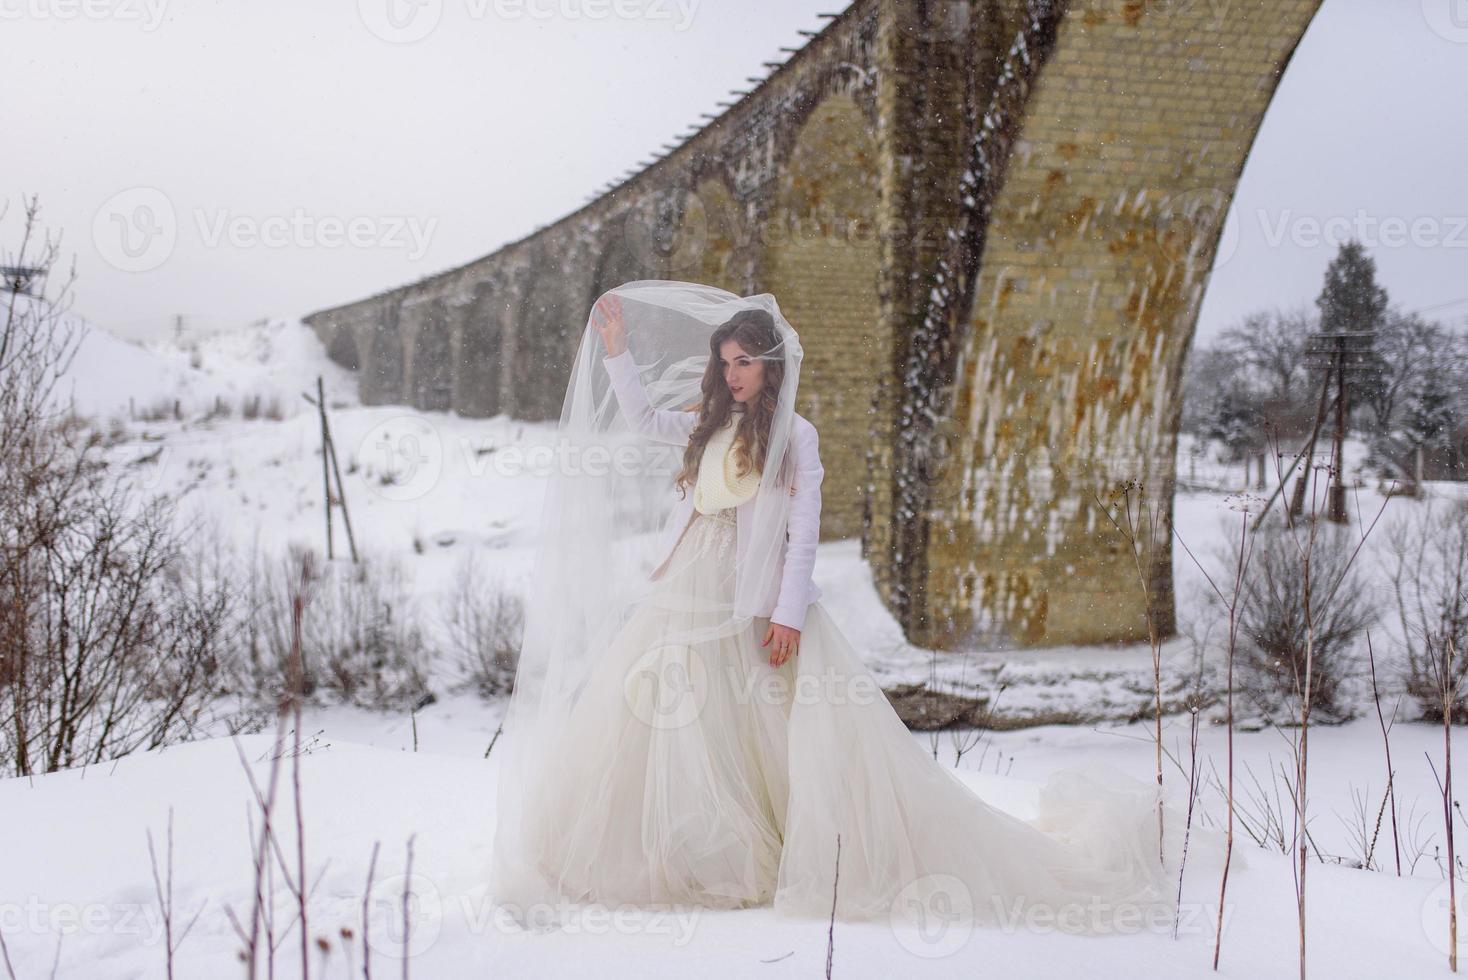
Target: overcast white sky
<point>196,154</point>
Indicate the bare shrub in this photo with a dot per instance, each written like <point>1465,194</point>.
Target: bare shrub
<point>483,623</point>
<point>1429,564</point>
<point>116,433</point>
<point>1279,635</point>
<point>220,408</point>
<point>161,409</point>
<point>256,406</point>
<point>362,645</point>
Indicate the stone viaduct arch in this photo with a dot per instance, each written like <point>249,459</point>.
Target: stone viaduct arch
<point>992,222</point>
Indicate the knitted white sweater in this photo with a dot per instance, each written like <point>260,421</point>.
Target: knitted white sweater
<point>719,484</point>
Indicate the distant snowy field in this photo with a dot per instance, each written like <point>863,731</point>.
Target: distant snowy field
<point>75,883</point>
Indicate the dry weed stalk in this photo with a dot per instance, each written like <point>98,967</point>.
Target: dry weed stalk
<point>1444,657</point>
<point>165,900</point>
<point>1231,603</point>
<point>1389,798</point>
<point>1140,548</point>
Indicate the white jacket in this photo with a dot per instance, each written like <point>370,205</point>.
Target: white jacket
<point>792,588</point>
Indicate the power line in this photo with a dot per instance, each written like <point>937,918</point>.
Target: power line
<point>1441,306</point>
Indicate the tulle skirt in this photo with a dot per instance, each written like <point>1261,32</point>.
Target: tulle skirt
<point>700,775</point>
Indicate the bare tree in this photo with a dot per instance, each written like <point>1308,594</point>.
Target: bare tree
<point>1415,391</point>
<point>1404,345</point>
<point>1252,385</point>
<point>106,645</point>
<point>1270,346</point>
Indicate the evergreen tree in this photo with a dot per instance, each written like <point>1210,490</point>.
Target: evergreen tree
<point>1351,302</point>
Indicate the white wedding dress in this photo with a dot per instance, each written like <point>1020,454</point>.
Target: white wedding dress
<point>701,775</point>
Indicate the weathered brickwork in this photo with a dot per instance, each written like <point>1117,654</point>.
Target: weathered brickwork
<point>943,61</point>
<point>821,263</point>
<point>1096,259</point>
<point>991,222</point>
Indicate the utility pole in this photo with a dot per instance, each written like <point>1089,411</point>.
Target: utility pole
<point>1337,510</point>
<point>1341,354</point>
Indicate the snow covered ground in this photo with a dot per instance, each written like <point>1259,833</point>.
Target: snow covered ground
<point>83,877</point>
<point>429,489</point>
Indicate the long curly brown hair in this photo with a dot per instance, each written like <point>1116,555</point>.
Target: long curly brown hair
<point>754,330</point>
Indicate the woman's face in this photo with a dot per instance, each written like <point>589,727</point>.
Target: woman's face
<point>744,375</point>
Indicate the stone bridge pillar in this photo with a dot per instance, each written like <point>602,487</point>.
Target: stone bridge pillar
<point>1045,342</point>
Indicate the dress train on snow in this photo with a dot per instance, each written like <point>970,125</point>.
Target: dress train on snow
<point>701,775</point>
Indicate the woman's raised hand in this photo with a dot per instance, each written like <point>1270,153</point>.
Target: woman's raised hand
<point>607,318</point>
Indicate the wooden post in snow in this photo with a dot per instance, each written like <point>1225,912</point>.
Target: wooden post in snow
<point>325,464</point>
<point>330,468</point>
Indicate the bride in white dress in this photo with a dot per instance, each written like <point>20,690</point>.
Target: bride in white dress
<point>701,733</point>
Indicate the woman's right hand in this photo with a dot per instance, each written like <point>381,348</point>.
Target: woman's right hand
<point>607,318</point>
